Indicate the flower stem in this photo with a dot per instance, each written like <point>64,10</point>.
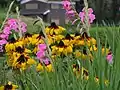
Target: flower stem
<point>7,15</point>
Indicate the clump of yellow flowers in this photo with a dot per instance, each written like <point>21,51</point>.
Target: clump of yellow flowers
<point>20,52</point>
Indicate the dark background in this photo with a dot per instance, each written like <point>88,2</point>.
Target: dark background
<point>107,10</point>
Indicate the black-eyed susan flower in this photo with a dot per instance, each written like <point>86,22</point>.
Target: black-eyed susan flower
<point>68,40</point>
<point>45,64</point>
<point>61,49</point>
<point>85,40</point>
<point>20,61</point>
<point>106,82</point>
<point>80,71</point>
<point>26,38</point>
<point>54,29</point>
<point>9,47</point>
<point>83,55</point>
<point>93,48</point>
<point>57,38</point>
<point>9,86</point>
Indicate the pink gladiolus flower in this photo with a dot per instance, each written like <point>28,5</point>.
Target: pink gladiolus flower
<point>66,5</point>
<point>40,54</point>
<point>42,47</point>
<point>82,16</point>
<point>109,58</point>
<point>90,15</point>
<point>3,41</point>
<point>90,10</point>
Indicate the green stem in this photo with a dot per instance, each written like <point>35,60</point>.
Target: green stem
<point>7,15</point>
<point>19,26</point>
<point>86,24</point>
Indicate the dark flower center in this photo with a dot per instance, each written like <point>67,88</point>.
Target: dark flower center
<point>61,44</point>
<point>8,87</point>
<point>28,35</point>
<point>84,51</point>
<point>21,59</point>
<point>85,35</point>
<point>68,37</point>
<point>85,72</point>
<point>53,25</point>
<point>20,49</point>
<point>77,34</point>
<point>41,35</point>
<point>76,66</point>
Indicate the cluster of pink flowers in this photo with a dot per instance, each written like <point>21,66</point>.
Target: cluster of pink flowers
<point>41,54</point>
<point>11,24</point>
<point>90,15</point>
<point>69,11</point>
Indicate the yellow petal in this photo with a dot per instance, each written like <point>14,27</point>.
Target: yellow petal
<point>61,49</point>
<point>69,49</point>
<point>49,68</point>
<point>31,61</point>
<point>39,68</point>
<point>27,50</point>
<point>23,66</point>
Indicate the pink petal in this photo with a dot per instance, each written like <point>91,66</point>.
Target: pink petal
<point>6,30</point>
<point>90,10</point>
<point>109,58</point>
<point>40,54</point>
<point>42,47</point>
<point>70,12</point>
<point>46,61</point>
<point>3,41</point>
<point>4,36</point>
<point>66,5</point>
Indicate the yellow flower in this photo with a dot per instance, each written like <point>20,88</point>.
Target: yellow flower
<point>83,55</point>
<point>61,49</point>
<point>19,43</point>
<point>20,61</point>
<point>93,48</point>
<point>106,82</point>
<point>30,61</point>
<point>105,51</point>
<point>85,40</point>
<point>50,39</point>
<point>9,86</point>
<point>48,68</point>
<point>39,67</point>
<point>54,29</point>
<point>67,50</point>
<point>9,47</point>
<point>35,49</point>
<point>58,37</point>
<point>80,72</point>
